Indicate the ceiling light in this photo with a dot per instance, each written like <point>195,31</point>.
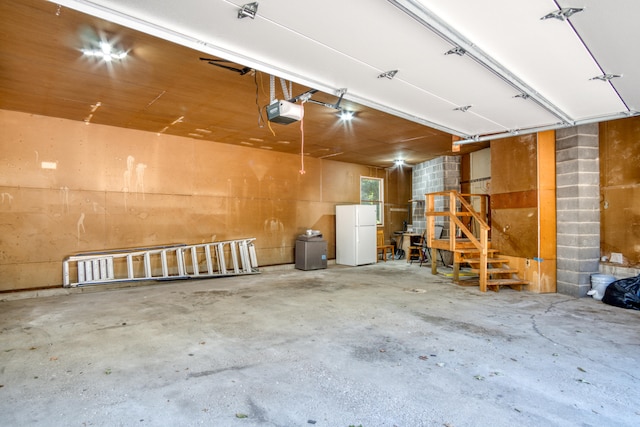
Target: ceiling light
<point>105,52</point>
<point>346,115</point>
<point>398,162</point>
<point>606,77</point>
<point>388,74</point>
<point>562,14</point>
<point>456,50</point>
<point>248,10</point>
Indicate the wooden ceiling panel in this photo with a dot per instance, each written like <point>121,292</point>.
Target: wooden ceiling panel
<point>44,72</point>
<point>505,51</point>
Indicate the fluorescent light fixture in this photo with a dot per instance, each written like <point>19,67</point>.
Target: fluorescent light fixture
<point>248,10</point>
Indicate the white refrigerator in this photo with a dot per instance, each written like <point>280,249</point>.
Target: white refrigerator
<point>355,234</point>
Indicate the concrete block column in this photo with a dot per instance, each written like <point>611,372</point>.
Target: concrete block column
<point>440,174</point>
<point>578,208</point>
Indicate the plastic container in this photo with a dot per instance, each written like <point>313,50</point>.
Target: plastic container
<point>599,283</point>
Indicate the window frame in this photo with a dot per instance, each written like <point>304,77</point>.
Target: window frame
<point>378,203</point>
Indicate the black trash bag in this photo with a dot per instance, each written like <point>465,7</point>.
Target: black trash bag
<point>624,293</point>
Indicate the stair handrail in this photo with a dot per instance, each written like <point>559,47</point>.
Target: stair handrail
<point>482,245</point>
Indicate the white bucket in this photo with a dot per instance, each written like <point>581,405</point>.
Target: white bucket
<point>599,283</point>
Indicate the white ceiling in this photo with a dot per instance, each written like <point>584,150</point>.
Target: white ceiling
<point>335,44</point>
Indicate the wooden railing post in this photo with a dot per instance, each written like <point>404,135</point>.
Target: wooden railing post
<point>467,228</point>
<point>484,244</point>
<point>483,208</point>
<point>452,225</point>
<point>431,226</point>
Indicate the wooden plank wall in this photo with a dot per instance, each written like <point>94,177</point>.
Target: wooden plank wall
<point>620,189</point>
<point>67,187</point>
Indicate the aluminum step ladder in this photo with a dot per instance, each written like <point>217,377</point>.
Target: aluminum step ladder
<point>169,262</point>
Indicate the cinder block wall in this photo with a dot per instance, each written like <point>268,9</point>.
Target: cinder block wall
<point>578,208</point>
<point>441,174</point>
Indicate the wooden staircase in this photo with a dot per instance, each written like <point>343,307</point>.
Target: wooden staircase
<point>498,271</point>
<point>469,247</point>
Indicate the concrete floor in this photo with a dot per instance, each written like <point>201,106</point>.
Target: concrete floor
<point>381,345</point>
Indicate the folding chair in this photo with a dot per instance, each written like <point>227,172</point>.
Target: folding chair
<point>438,228</point>
<point>416,250</point>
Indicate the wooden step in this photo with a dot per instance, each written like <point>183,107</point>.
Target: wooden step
<point>496,270</point>
<point>474,250</point>
<point>517,284</point>
<point>489,260</point>
<point>494,284</point>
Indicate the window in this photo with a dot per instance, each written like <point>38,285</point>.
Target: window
<point>371,193</point>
